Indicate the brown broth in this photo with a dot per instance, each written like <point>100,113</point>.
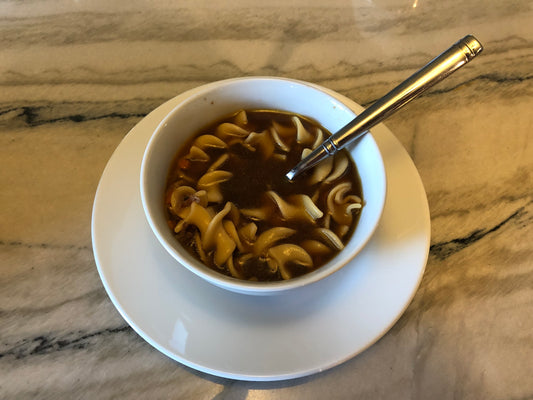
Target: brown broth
<point>252,178</point>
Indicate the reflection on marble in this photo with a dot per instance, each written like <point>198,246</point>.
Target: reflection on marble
<point>76,76</point>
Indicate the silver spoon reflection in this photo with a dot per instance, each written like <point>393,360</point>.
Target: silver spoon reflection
<point>436,70</point>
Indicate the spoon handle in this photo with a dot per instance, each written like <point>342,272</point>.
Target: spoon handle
<point>436,70</point>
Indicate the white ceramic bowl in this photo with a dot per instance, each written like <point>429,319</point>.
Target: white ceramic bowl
<point>222,98</point>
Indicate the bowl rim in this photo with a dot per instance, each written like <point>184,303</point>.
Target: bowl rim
<point>234,284</point>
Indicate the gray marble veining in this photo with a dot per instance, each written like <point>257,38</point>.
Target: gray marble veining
<point>75,77</point>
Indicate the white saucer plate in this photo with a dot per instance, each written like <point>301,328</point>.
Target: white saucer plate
<point>247,337</point>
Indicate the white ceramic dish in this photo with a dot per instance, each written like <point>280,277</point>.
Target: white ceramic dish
<point>211,102</point>
<point>257,337</point>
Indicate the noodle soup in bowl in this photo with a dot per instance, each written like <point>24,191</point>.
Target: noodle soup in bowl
<point>214,191</point>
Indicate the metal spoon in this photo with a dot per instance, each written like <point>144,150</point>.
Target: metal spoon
<point>436,70</point>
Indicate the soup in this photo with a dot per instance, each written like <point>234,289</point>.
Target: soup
<point>231,206</point>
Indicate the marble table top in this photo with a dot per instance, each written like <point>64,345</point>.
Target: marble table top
<point>76,76</point>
